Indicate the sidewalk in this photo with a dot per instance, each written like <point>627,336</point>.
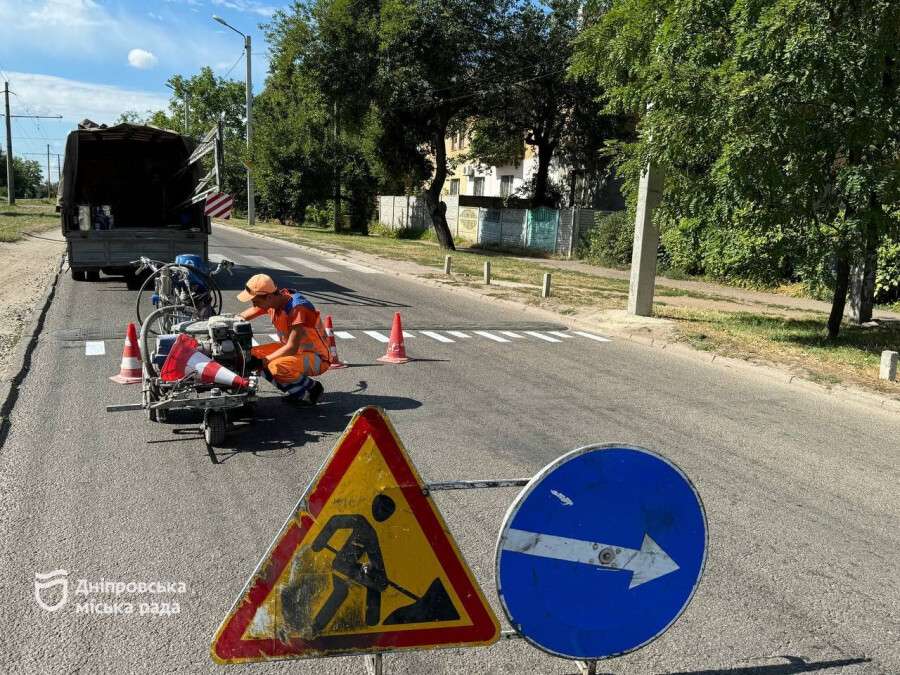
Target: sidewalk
<point>727,298</point>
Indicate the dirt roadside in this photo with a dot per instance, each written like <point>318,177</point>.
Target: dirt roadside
<point>26,269</point>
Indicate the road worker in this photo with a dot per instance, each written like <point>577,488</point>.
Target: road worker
<point>302,348</point>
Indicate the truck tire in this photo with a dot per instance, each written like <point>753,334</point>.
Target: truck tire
<point>214,428</point>
<point>93,275</point>
<point>78,274</point>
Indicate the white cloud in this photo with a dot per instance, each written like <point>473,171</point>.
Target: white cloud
<point>75,100</point>
<point>142,59</point>
<point>247,6</point>
<point>70,13</point>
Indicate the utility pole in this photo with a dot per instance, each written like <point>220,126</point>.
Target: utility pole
<point>251,202</point>
<point>58,172</point>
<point>10,177</point>
<point>48,172</point>
<point>337,175</point>
<point>10,173</point>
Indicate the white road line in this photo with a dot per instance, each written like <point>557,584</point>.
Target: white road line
<point>407,334</point>
<point>354,266</point>
<point>436,336</point>
<point>598,338</point>
<point>376,335</point>
<point>562,334</point>
<point>540,336</point>
<point>266,263</point>
<point>344,335</point>
<point>490,336</point>
<point>512,335</point>
<point>274,337</point>
<point>459,334</point>
<point>255,342</point>
<point>94,348</point>
<point>316,267</point>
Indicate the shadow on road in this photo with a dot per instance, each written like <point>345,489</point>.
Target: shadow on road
<point>280,429</point>
<point>795,664</point>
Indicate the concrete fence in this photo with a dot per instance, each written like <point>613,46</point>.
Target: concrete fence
<point>484,221</point>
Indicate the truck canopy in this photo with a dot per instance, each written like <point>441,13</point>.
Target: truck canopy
<point>141,172</point>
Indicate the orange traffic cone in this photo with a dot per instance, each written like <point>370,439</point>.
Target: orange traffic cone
<point>332,346</point>
<point>130,369</point>
<point>396,350</point>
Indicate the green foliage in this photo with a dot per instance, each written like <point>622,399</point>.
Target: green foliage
<point>887,278</point>
<point>610,240</point>
<point>776,122</point>
<point>27,176</point>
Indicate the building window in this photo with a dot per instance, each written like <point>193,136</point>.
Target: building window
<point>478,187</point>
<point>454,186</point>
<point>506,186</point>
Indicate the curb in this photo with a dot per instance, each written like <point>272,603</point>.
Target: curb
<point>843,393</point>
<point>9,390</point>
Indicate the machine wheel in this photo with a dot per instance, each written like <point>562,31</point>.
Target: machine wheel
<point>214,428</point>
<point>93,275</point>
<point>133,282</point>
<point>78,274</point>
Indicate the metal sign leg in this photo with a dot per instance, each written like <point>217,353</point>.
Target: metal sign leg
<point>587,667</point>
<point>374,664</point>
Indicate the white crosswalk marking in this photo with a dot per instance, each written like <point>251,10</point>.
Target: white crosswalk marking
<point>94,348</point>
<point>274,337</point>
<point>562,334</point>
<point>255,342</point>
<point>305,262</point>
<point>344,335</point>
<point>354,266</point>
<point>407,334</point>
<point>541,336</point>
<point>598,338</point>
<point>376,335</point>
<point>511,334</point>
<point>436,336</point>
<point>459,334</point>
<point>490,336</point>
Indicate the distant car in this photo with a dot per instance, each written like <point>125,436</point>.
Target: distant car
<point>129,191</point>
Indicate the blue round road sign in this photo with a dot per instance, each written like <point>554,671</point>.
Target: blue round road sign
<point>601,552</point>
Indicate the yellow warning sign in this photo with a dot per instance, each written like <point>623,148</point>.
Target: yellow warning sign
<point>364,564</point>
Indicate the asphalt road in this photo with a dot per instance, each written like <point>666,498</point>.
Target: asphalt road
<point>800,489</point>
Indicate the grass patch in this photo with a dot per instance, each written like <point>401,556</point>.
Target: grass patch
<point>26,216</point>
<point>854,357</point>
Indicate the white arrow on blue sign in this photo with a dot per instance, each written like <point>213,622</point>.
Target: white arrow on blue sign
<point>601,552</point>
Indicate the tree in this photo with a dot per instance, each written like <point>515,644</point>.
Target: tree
<point>301,155</point>
<point>776,121</point>
<point>29,180</point>
<point>535,100</point>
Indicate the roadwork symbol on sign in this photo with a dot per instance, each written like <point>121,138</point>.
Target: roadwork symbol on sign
<point>219,205</point>
<point>601,552</point>
<point>364,564</point>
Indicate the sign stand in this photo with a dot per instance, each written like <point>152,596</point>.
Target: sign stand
<point>555,553</point>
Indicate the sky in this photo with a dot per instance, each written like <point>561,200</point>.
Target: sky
<point>98,58</point>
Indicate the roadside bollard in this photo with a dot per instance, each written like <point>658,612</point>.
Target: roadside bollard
<point>487,272</point>
<point>446,264</point>
<point>545,287</point>
<point>888,366</point>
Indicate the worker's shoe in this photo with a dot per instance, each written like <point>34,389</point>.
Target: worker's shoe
<point>308,398</point>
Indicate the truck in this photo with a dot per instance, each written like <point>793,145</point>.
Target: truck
<point>133,190</point>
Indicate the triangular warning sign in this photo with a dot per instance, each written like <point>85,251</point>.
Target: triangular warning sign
<point>364,564</point>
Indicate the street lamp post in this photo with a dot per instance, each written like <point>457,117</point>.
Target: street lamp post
<point>251,206</point>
